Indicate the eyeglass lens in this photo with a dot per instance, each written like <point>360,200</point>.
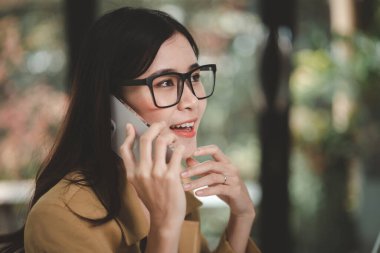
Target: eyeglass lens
<point>167,89</point>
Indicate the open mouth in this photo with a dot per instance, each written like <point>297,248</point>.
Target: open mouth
<point>188,126</point>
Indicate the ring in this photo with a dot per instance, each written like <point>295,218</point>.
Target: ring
<point>225,179</point>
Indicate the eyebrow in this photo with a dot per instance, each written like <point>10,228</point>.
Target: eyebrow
<point>163,71</point>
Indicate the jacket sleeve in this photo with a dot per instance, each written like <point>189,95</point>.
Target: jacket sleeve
<point>53,228</point>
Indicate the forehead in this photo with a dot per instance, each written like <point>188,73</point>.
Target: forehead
<point>175,53</point>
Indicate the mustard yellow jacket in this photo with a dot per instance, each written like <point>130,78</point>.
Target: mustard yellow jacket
<point>53,225</point>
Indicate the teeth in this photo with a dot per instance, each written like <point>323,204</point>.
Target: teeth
<point>184,125</point>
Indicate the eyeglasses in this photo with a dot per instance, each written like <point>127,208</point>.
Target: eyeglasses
<point>167,88</point>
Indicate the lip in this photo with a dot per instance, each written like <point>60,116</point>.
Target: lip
<point>185,133</point>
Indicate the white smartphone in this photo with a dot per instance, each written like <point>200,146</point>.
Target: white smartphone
<point>121,114</point>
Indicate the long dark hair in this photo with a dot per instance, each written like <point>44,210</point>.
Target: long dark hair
<point>121,45</point>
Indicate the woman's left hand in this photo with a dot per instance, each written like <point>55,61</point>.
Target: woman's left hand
<point>221,178</point>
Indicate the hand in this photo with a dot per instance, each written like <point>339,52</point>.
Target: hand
<point>222,179</point>
<point>157,183</point>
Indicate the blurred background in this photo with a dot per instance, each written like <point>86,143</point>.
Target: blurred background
<point>296,108</point>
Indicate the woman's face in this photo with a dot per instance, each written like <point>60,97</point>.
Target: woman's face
<point>175,55</point>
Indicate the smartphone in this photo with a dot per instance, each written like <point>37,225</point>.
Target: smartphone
<point>121,114</point>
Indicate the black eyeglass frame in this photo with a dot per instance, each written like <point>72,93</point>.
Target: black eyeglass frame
<point>183,77</point>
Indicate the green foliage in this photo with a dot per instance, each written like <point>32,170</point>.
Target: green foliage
<point>335,121</point>
<point>329,88</point>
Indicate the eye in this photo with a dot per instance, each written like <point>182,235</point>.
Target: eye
<point>195,77</point>
<point>164,83</point>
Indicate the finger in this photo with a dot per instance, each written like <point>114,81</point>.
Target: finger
<point>220,189</point>
<point>161,148</point>
<point>190,162</point>
<point>208,180</point>
<point>175,161</point>
<point>205,168</point>
<point>125,150</point>
<point>214,151</point>
<point>146,140</point>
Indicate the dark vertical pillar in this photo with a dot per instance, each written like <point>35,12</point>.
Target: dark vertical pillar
<point>80,14</point>
<point>278,16</point>
<point>365,12</point>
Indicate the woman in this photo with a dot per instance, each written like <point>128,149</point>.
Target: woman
<point>87,199</point>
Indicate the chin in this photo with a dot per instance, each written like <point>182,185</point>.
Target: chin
<point>187,154</point>
<point>191,146</point>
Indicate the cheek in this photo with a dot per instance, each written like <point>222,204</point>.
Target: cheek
<point>149,112</point>
<point>202,107</point>
<point>154,114</point>
<point>141,102</point>
<point>138,98</point>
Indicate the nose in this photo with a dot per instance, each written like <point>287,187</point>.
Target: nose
<point>188,99</point>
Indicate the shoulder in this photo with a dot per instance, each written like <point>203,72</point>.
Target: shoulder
<point>54,223</point>
<point>79,199</point>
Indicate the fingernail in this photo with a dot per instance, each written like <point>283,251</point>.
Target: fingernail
<point>184,174</point>
<point>187,186</point>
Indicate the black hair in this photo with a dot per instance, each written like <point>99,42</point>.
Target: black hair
<point>120,45</point>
